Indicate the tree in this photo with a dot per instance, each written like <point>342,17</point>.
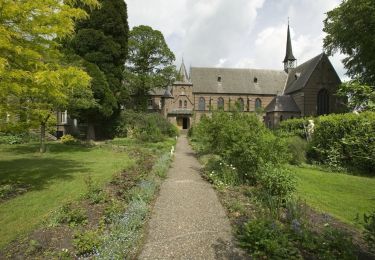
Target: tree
<point>350,29</point>
<point>360,97</point>
<point>101,41</point>
<point>149,65</point>
<point>35,79</point>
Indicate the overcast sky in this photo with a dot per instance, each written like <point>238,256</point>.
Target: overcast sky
<point>237,33</point>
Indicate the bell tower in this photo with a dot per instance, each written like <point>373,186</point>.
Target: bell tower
<point>290,61</point>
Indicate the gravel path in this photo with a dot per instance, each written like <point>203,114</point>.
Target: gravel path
<point>188,221</point>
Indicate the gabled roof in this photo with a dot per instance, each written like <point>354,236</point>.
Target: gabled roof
<point>298,77</point>
<point>282,104</point>
<point>289,51</point>
<point>157,91</point>
<point>238,81</point>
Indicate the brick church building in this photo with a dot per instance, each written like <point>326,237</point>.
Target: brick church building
<point>296,91</point>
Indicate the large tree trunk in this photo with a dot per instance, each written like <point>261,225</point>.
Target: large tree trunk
<point>42,148</point>
<point>90,131</point>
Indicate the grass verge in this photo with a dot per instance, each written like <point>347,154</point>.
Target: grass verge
<point>52,179</point>
<point>342,196</point>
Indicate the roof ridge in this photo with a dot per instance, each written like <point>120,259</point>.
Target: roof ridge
<point>275,70</point>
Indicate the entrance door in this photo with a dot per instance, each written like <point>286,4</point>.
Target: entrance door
<point>185,123</point>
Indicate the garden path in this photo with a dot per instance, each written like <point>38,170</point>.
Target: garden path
<point>188,221</point>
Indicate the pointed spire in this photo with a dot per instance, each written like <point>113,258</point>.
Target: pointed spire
<point>289,51</point>
<point>290,60</point>
<point>183,75</point>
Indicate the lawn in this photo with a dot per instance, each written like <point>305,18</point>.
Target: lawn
<point>340,195</point>
<point>53,178</point>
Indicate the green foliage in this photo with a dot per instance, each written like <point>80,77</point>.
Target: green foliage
<point>241,140</point>
<point>124,233</point>
<point>277,182</point>
<point>350,29</point>
<point>94,193</point>
<point>102,43</point>
<point>68,139</point>
<point>70,215</point>
<point>86,243</point>
<point>345,141</point>
<point>297,148</point>
<point>369,232</point>
<point>150,63</point>
<point>293,127</point>
<point>148,127</point>
<point>266,239</point>
<point>36,80</point>
<point>360,97</point>
<point>161,166</point>
<point>220,173</point>
<point>10,139</point>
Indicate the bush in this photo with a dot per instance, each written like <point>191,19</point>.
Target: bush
<point>220,173</point>
<point>277,182</point>
<point>151,127</point>
<point>240,140</point>
<point>297,148</point>
<point>345,141</point>
<point>68,139</point>
<point>293,127</point>
<point>265,239</point>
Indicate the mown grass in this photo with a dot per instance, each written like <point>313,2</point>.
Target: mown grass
<point>340,195</point>
<point>53,178</point>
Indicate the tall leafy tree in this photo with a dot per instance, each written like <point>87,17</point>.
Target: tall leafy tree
<point>102,42</point>
<point>150,63</point>
<point>350,29</point>
<point>35,79</point>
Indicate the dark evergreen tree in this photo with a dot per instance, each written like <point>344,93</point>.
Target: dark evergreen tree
<point>102,42</point>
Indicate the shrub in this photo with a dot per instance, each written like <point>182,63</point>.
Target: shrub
<point>241,140</point>
<point>151,127</point>
<point>220,173</point>
<point>297,148</point>
<point>265,239</point>
<point>68,139</point>
<point>293,127</point>
<point>278,182</point>
<point>345,141</point>
<point>10,139</point>
<point>86,243</point>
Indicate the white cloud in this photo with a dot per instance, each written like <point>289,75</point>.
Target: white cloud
<point>237,33</point>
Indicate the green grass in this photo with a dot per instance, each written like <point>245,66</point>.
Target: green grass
<point>340,195</point>
<point>54,178</point>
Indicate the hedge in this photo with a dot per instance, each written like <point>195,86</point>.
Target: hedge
<point>346,140</point>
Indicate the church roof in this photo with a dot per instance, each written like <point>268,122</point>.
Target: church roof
<point>289,51</point>
<point>282,104</point>
<point>237,81</point>
<point>298,77</point>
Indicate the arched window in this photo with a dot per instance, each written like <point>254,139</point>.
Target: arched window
<point>202,104</point>
<point>241,104</point>
<point>220,103</point>
<point>258,103</point>
<point>180,104</point>
<point>185,104</point>
<point>323,102</point>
